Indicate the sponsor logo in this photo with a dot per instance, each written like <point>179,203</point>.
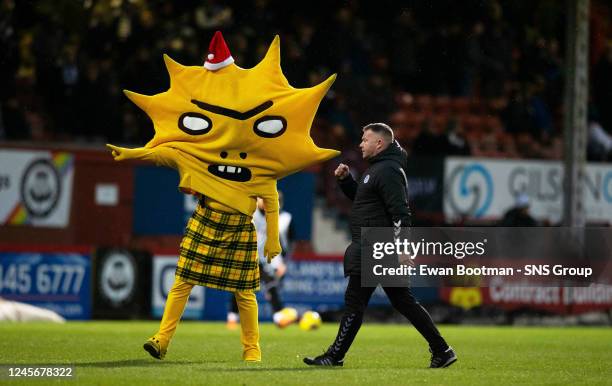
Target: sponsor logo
<point>117,280</point>
<point>469,189</point>
<point>40,188</point>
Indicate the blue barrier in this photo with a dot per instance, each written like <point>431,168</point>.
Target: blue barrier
<point>57,281</point>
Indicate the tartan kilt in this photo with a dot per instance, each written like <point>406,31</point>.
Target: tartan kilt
<point>219,250</point>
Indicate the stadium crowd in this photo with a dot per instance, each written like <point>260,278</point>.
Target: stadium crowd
<point>454,78</point>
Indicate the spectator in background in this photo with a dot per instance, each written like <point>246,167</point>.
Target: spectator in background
<point>13,120</point>
<point>539,113</point>
<point>472,59</point>
<point>405,40</point>
<point>213,15</point>
<point>429,142</point>
<point>456,144</point>
<point>379,100</point>
<point>496,47</point>
<point>552,72</point>
<point>94,103</point>
<point>516,113</point>
<point>599,146</point>
<point>340,115</point>
<point>271,274</point>
<point>8,63</point>
<point>472,48</point>
<point>528,114</point>
<point>602,88</point>
<point>68,81</point>
<point>518,216</point>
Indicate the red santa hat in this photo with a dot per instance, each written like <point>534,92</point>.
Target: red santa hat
<point>219,55</point>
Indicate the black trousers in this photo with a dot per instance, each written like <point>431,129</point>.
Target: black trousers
<point>356,300</point>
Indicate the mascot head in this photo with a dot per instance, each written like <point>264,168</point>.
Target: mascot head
<point>240,124</point>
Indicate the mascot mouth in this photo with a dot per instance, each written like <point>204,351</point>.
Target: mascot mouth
<point>232,173</point>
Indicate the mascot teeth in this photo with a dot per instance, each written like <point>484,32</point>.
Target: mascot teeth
<point>231,173</point>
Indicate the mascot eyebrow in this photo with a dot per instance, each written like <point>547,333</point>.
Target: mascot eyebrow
<point>232,113</point>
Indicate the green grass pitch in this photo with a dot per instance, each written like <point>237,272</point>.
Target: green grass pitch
<point>110,353</point>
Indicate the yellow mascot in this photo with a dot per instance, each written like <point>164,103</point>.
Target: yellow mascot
<point>231,133</point>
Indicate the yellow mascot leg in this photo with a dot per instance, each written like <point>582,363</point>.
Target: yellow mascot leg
<point>247,307</point>
<point>175,305</point>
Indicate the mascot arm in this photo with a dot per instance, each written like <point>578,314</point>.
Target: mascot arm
<point>161,156</point>
<point>272,248</point>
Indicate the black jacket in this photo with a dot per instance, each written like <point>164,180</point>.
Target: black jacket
<point>380,199</point>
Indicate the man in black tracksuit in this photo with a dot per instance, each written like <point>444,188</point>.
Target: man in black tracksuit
<point>380,199</point>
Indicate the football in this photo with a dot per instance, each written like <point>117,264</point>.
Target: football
<point>311,320</point>
<point>285,317</point>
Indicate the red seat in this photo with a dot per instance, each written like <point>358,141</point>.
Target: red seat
<point>404,100</point>
<point>460,105</point>
<point>442,104</point>
<point>478,106</point>
<point>416,119</point>
<point>492,123</point>
<point>399,117</point>
<point>440,121</point>
<point>424,103</point>
<point>472,122</point>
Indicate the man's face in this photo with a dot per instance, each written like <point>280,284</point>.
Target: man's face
<point>371,144</point>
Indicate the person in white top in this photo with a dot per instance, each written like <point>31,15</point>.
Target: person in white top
<point>271,274</point>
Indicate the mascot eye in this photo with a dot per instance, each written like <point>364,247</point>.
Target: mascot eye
<point>270,126</point>
<point>194,123</point>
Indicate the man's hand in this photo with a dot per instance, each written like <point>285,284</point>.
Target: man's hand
<point>280,270</point>
<point>342,171</point>
<point>272,248</point>
<point>122,153</point>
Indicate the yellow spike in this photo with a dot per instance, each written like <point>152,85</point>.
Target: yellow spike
<point>272,58</point>
<point>140,100</point>
<point>314,154</point>
<point>173,67</point>
<point>326,84</point>
<point>271,63</point>
<point>324,154</point>
<point>320,89</point>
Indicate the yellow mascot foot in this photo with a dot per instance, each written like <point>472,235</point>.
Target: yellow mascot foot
<point>252,355</point>
<point>156,347</point>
